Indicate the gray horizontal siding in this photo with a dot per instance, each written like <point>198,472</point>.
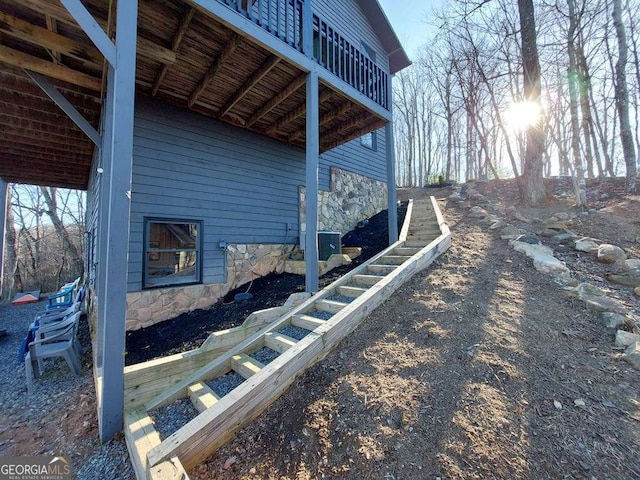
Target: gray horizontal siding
<point>349,20</point>
<point>242,186</point>
<point>356,158</point>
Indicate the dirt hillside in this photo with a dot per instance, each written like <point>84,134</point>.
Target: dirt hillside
<point>479,367</point>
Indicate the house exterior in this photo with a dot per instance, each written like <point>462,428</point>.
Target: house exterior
<point>214,137</point>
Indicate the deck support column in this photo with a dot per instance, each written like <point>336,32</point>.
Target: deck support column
<point>4,195</point>
<point>115,198</point>
<point>311,194</point>
<point>392,195</point>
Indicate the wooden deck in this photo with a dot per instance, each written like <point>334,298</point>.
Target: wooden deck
<point>220,417</point>
<point>186,57</point>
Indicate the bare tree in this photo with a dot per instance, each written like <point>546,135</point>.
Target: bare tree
<point>533,185</point>
<point>622,99</point>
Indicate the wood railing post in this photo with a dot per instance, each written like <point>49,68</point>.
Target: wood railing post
<point>392,197</point>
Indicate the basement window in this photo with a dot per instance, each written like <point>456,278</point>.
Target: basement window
<point>172,252</point>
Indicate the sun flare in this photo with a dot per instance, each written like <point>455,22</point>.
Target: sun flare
<point>521,115</point>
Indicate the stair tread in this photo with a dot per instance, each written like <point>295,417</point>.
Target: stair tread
<point>279,341</point>
<point>202,396</point>
<point>307,321</point>
<point>245,365</point>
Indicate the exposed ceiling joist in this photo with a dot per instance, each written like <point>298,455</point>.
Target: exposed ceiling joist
<point>29,62</point>
<point>146,48</point>
<point>289,90</point>
<point>326,118</point>
<point>297,112</point>
<point>351,136</point>
<point>175,44</point>
<point>225,53</point>
<point>251,82</point>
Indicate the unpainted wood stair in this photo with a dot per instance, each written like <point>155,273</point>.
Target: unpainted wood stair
<point>321,322</point>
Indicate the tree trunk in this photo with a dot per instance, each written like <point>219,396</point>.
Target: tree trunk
<point>77,264</point>
<point>13,281</point>
<point>533,185</point>
<point>622,99</point>
<point>578,181</point>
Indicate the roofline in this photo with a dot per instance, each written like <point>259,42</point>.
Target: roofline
<point>398,58</point>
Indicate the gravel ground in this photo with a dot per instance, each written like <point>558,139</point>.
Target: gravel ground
<point>170,418</point>
<point>265,355</point>
<point>43,423</point>
<point>319,314</point>
<point>294,332</point>
<point>223,385</point>
<point>341,298</point>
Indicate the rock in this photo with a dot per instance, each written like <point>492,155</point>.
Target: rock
<point>543,259</point>
<point>612,320</point>
<point>586,244</point>
<point>621,266</point>
<point>632,355</point>
<point>555,225</point>
<point>624,338</point>
<point>547,232</point>
<point>498,224</point>
<point>587,290</point>
<point>563,237</point>
<point>603,304</point>
<point>230,461</point>
<point>557,404</point>
<point>510,233</point>
<point>636,291</point>
<point>478,212</point>
<point>610,253</point>
<point>521,217</point>
<point>578,402</point>
<point>629,279</point>
<point>530,239</point>
<point>242,297</point>
<point>476,197</point>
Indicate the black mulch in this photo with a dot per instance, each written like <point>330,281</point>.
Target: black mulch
<point>189,330</point>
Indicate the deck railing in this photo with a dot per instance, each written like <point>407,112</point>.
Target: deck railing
<point>349,63</point>
<point>285,20</point>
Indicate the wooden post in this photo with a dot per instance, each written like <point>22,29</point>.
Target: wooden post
<point>392,197</point>
<point>311,195</point>
<point>117,157</point>
<point>4,192</point>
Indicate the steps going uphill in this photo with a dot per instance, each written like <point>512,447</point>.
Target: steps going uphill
<point>269,360</point>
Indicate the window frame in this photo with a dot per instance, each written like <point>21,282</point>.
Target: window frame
<point>374,140</point>
<point>146,251</point>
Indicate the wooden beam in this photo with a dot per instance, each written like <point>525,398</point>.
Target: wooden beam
<point>67,108</point>
<point>50,40</point>
<point>326,118</point>
<point>175,44</point>
<point>224,55</point>
<point>251,82</point>
<point>92,29</point>
<point>52,26</point>
<point>29,62</point>
<point>352,136</point>
<point>146,48</point>
<point>289,90</point>
<point>152,51</point>
<point>297,112</point>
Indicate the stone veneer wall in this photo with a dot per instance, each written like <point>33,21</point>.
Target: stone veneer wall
<point>244,263</point>
<point>352,199</point>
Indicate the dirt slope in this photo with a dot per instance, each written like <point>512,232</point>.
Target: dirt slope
<point>459,376</point>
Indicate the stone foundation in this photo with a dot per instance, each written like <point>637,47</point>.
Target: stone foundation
<point>244,263</point>
<point>352,199</point>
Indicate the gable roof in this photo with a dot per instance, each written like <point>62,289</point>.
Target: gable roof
<point>398,58</point>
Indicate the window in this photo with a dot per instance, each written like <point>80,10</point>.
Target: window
<point>369,140</point>
<point>172,252</point>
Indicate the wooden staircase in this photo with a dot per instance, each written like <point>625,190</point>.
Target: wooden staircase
<point>295,341</point>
